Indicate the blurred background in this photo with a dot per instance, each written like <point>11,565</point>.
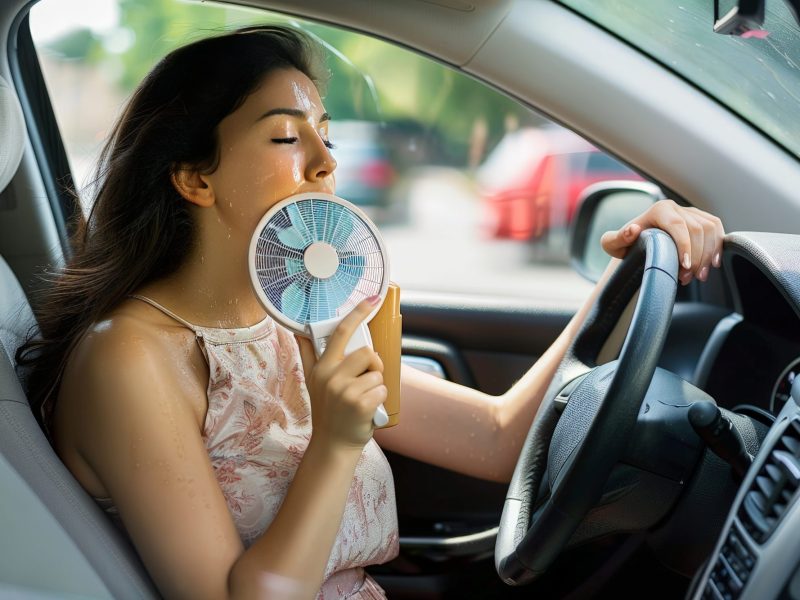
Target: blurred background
<point>473,192</point>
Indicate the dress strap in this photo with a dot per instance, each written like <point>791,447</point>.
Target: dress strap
<point>166,311</point>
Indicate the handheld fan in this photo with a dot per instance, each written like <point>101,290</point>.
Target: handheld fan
<point>313,258</point>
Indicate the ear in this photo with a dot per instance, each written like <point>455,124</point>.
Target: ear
<point>192,185</point>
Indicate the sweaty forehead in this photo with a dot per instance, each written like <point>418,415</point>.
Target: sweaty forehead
<point>285,88</point>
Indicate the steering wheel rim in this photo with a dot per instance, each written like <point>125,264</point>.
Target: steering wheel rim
<point>584,443</point>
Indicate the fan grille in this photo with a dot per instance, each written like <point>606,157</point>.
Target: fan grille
<point>282,272</point>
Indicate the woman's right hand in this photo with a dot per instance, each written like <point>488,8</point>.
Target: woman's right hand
<point>344,390</point>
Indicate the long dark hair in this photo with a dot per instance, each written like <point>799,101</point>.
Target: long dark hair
<point>139,228</point>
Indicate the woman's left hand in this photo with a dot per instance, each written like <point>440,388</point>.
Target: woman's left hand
<point>697,234</point>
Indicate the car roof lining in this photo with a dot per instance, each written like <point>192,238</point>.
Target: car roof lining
<point>449,30</point>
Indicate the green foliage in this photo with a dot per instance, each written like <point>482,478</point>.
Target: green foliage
<point>374,80</point>
<point>161,26</point>
<point>370,79</point>
<point>78,44</point>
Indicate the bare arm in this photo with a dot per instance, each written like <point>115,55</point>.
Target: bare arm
<point>141,439</point>
<point>470,432</point>
<point>467,431</point>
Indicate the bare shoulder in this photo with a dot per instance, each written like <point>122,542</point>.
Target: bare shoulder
<point>127,428</point>
<point>126,332</point>
<point>131,371</point>
<point>133,348</point>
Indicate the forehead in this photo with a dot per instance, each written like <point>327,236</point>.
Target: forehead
<point>285,88</point>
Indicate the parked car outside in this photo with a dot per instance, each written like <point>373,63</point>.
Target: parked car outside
<point>532,181</point>
<point>364,171</point>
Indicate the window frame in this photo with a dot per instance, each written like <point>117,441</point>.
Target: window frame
<point>43,131</point>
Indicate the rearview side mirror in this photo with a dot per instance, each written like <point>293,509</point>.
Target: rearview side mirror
<point>606,206</point>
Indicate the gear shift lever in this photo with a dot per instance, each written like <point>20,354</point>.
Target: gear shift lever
<point>719,434</point>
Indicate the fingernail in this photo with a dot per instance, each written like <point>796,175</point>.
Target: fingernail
<point>374,299</point>
<point>628,231</point>
<point>716,259</point>
<point>703,274</point>
<point>687,263</point>
<point>685,278</point>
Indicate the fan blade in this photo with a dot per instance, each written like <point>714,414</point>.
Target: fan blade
<point>295,266</point>
<point>352,265</point>
<point>335,292</point>
<point>292,238</point>
<point>320,309</point>
<point>321,210</point>
<point>294,303</point>
<point>339,225</point>
<point>299,223</point>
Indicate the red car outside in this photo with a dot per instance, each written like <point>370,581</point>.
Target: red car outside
<point>532,181</point>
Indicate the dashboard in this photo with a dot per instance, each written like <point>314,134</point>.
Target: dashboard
<point>757,349</point>
<point>751,365</point>
<point>781,391</point>
<point>754,370</point>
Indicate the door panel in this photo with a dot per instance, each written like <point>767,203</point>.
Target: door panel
<point>447,519</point>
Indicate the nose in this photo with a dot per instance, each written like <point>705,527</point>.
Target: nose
<point>321,163</point>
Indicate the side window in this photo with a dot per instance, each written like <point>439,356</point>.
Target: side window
<point>473,192</point>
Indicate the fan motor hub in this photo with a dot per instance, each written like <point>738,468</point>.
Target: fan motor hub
<point>321,260</point>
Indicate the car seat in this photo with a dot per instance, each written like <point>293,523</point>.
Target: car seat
<point>54,540</point>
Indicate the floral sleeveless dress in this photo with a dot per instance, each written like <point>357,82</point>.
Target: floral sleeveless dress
<point>257,428</point>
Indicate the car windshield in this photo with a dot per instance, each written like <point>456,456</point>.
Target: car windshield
<point>757,77</point>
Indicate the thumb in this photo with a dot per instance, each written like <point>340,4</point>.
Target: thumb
<point>307,354</point>
<point>616,243</point>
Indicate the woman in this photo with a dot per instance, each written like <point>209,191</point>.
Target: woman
<point>240,466</point>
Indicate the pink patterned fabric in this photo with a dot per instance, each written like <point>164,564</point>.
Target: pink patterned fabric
<point>256,431</point>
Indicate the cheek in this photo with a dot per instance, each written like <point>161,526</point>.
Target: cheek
<point>251,181</point>
<point>285,173</point>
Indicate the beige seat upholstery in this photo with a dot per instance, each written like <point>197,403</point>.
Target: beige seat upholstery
<point>54,540</point>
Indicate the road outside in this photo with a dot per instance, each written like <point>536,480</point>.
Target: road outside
<point>441,248</point>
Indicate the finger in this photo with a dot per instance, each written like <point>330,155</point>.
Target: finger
<point>374,398</point>
<point>365,382</point>
<point>719,235</point>
<point>616,243</point>
<point>666,215</point>
<point>307,355</point>
<point>709,246</point>
<point>344,331</point>
<point>358,362</point>
<point>696,235</point>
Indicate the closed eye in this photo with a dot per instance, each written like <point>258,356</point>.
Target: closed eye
<point>292,140</point>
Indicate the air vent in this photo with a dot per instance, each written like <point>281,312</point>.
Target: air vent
<point>732,568</point>
<point>774,487</point>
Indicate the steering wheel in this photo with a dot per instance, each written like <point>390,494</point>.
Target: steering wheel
<point>567,458</point>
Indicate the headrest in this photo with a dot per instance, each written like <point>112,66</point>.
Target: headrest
<point>12,133</point>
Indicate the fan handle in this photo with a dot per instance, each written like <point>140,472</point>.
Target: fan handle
<point>322,330</point>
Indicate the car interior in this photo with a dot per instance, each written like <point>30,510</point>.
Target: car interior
<point>676,505</point>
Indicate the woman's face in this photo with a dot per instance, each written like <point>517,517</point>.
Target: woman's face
<point>273,146</point>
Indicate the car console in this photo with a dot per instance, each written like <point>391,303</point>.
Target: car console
<point>758,553</point>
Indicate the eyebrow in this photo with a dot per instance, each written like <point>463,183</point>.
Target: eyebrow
<point>292,112</point>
